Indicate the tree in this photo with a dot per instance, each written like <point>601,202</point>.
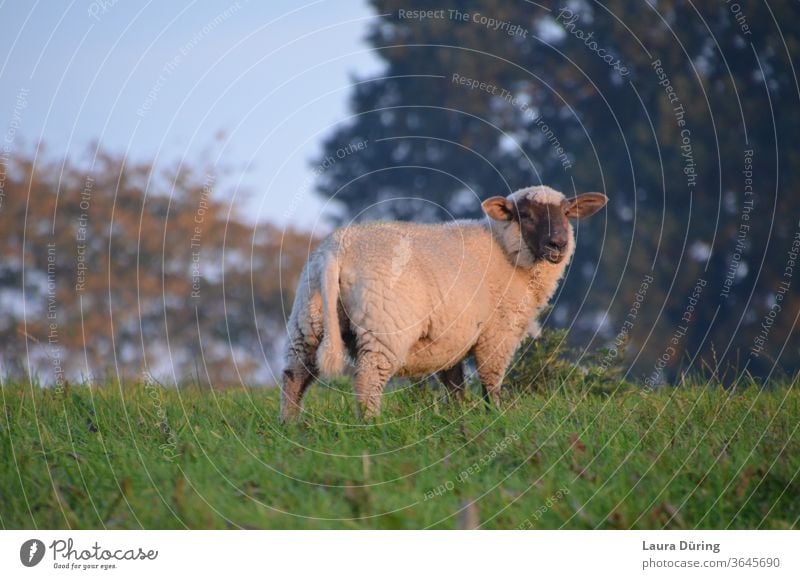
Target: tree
<point>118,269</point>
<point>683,113</point>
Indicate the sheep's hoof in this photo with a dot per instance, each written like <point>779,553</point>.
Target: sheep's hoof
<point>290,415</point>
<point>368,413</point>
<point>492,403</point>
<point>368,417</point>
<point>455,398</point>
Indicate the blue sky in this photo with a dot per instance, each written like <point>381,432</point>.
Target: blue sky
<point>158,80</point>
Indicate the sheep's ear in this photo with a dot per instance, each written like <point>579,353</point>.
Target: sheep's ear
<point>498,208</point>
<point>585,205</point>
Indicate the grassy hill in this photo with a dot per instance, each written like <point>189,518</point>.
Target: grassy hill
<point>573,456</point>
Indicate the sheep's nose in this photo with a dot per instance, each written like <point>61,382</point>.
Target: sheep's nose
<point>557,243</point>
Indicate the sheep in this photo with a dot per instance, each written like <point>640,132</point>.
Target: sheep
<point>411,300</point>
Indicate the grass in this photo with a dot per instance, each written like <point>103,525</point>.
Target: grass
<point>572,456</point>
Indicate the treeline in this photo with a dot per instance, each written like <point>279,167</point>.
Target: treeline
<point>111,268</point>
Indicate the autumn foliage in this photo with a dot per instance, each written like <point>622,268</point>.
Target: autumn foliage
<point>130,270</point>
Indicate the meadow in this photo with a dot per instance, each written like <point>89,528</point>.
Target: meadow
<point>577,455</point>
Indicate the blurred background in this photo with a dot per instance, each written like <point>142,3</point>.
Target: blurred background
<point>165,170</point>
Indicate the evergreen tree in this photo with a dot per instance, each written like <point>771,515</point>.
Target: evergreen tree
<point>683,113</point>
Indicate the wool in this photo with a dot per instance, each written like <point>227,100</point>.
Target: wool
<point>408,299</point>
<point>539,193</point>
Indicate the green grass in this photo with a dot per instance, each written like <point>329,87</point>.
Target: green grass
<point>573,456</point>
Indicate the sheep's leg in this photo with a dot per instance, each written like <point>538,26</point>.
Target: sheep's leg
<point>295,383</point>
<point>491,384</point>
<point>492,361</point>
<point>491,370</point>
<point>453,379</point>
<point>305,331</point>
<point>373,370</point>
<point>297,377</point>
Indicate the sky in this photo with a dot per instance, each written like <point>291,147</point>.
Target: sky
<point>161,80</point>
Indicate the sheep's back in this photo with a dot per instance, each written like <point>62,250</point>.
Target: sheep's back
<point>422,291</point>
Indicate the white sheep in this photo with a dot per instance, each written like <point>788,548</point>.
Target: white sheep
<point>405,299</point>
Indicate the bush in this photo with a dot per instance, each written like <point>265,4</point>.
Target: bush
<point>549,364</point>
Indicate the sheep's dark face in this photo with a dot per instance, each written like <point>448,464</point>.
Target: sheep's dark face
<point>545,226</point>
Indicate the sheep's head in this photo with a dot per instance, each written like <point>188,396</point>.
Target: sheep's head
<point>542,217</point>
